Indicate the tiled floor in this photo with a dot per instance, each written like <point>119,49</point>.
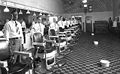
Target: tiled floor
<point>86,56</point>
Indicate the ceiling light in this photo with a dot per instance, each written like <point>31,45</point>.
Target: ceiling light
<point>84,1</point>
<point>85,5</point>
<point>28,12</point>
<point>90,6</point>
<point>49,15</point>
<point>73,16</point>
<point>90,10</point>
<point>40,14</point>
<point>34,14</point>
<point>20,12</point>
<point>6,8</point>
<point>43,14</point>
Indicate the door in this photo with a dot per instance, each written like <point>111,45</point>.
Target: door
<point>88,21</point>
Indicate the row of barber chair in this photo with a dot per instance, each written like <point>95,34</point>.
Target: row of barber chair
<point>46,55</point>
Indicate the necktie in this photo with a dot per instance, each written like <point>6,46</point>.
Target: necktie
<point>39,27</point>
<point>17,28</point>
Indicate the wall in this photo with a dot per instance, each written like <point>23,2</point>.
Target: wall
<point>96,16</point>
<point>4,16</point>
<point>7,15</point>
<point>116,8</point>
<point>54,6</point>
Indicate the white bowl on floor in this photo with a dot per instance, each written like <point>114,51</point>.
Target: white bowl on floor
<point>105,63</point>
<point>96,42</point>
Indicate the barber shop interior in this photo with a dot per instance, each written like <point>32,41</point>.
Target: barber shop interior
<point>59,36</point>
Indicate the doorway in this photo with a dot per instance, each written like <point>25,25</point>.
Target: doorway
<point>88,21</point>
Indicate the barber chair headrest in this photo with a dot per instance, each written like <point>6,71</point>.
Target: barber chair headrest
<point>37,37</point>
<point>61,29</point>
<point>52,32</point>
<point>66,27</point>
<point>49,45</point>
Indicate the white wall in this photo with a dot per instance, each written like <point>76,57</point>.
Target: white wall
<point>54,6</point>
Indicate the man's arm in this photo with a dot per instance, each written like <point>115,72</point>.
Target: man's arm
<point>6,31</point>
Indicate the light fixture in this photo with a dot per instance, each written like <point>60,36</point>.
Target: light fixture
<point>34,14</point>
<point>49,15</point>
<point>90,6</point>
<point>84,1</point>
<point>85,5</point>
<point>73,16</point>
<point>43,14</point>
<point>40,13</point>
<point>92,34</point>
<point>20,12</point>
<point>90,10</point>
<point>28,12</point>
<point>6,8</point>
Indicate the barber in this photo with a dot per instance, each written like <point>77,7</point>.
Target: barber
<point>13,33</point>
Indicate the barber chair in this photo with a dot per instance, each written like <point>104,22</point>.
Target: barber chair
<point>72,33</point>
<point>62,41</point>
<point>4,49</point>
<point>4,55</point>
<point>59,38</point>
<point>75,32</point>
<point>44,54</point>
<point>59,44</point>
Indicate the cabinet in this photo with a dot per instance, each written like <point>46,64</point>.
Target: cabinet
<point>101,27</point>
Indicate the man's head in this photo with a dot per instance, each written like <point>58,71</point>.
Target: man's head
<point>14,14</point>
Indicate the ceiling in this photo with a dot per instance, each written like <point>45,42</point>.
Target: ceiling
<point>76,6</point>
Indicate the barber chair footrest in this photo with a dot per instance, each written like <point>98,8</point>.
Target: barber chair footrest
<point>60,56</point>
<point>61,63</point>
<point>23,53</point>
<point>65,53</point>
<point>3,64</point>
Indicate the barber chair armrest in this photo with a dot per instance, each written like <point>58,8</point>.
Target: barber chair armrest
<point>53,36</point>
<point>71,29</point>
<point>63,38</point>
<point>50,41</point>
<point>61,35</point>
<point>73,35</point>
<point>28,54</point>
<point>63,32</point>
<point>67,31</point>
<point>74,27</point>
<point>38,44</point>
<point>76,30</point>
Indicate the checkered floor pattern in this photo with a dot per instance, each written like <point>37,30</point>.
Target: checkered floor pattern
<point>86,56</point>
